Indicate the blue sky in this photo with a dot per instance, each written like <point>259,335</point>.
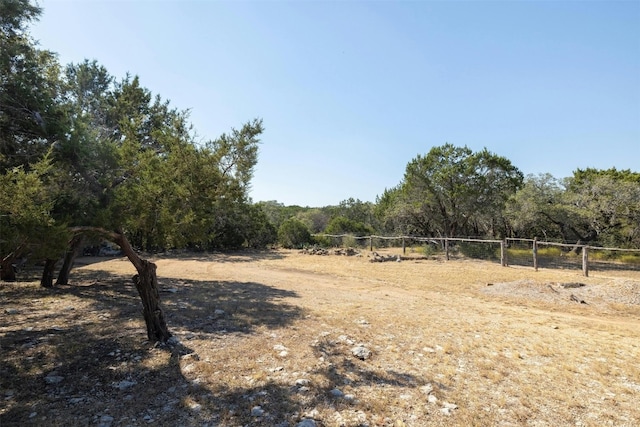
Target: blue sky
<point>351,91</point>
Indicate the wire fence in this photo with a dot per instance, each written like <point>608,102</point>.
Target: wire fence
<point>521,252</point>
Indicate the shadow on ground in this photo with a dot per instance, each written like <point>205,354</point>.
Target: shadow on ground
<point>78,355</point>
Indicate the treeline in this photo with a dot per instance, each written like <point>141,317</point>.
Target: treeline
<point>454,192</point>
<point>85,155</point>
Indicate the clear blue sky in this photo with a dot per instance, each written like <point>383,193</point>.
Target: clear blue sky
<point>351,91</point>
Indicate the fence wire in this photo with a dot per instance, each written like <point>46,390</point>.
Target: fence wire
<point>520,252</point>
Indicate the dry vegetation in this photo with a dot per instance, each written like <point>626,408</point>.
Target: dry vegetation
<point>267,339</point>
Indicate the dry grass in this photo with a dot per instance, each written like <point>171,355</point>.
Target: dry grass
<point>275,331</point>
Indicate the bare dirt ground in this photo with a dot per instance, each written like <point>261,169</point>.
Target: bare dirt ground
<point>267,339</point>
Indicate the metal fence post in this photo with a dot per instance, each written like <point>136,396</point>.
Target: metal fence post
<point>535,253</point>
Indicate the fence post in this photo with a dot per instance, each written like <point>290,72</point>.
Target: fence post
<point>404,248</point>
<point>585,261</point>
<point>535,253</point>
<point>370,243</point>
<point>503,252</point>
<point>446,248</point>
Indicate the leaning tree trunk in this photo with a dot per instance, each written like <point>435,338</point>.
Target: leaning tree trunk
<point>146,282</point>
<point>47,274</point>
<point>74,248</point>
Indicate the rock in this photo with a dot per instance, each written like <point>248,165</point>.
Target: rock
<point>336,393</point>
<point>12,311</point>
<point>445,411</point>
<point>76,400</point>
<point>361,352</point>
<point>124,384</point>
<point>432,399</point>
<point>306,423</point>
<point>218,312</point>
<point>105,421</point>
<point>302,382</point>
<point>52,378</point>
<point>427,388</point>
<point>195,407</point>
<point>449,405</point>
<point>279,347</point>
<point>257,411</point>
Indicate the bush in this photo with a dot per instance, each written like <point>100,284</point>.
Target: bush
<point>293,233</point>
<point>480,250</point>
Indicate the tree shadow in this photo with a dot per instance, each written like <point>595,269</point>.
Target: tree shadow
<point>97,368</point>
<point>86,357</point>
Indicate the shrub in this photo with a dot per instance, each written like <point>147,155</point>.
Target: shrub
<point>293,233</point>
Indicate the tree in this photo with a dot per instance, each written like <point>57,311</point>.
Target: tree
<point>343,225</point>
<point>30,87</point>
<point>537,209</point>
<point>597,206</point>
<point>293,234</point>
<point>461,192</point>
<point>31,121</point>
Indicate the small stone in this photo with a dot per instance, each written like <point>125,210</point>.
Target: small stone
<point>12,311</point>
<point>283,353</point>
<point>195,407</point>
<point>446,411</point>
<point>53,379</point>
<point>337,393</point>
<point>427,388</point>
<point>302,382</point>
<point>279,347</point>
<point>361,352</point>
<point>432,399</point>
<point>306,423</point>
<point>105,421</point>
<point>76,400</point>
<point>257,411</point>
<point>33,415</point>
<point>124,384</point>
<point>218,312</point>
<point>449,405</point>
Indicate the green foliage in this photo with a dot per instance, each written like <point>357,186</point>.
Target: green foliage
<point>343,225</point>
<point>487,251</point>
<point>453,191</point>
<point>293,233</point>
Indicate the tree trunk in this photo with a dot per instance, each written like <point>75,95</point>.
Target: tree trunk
<point>74,247</point>
<point>147,285</point>
<point>7,273</point>
<point>47,274</point>
<point>146,282</point>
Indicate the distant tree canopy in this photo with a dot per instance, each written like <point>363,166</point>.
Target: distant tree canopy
<point>594,206</point>
<point>451,191</point>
